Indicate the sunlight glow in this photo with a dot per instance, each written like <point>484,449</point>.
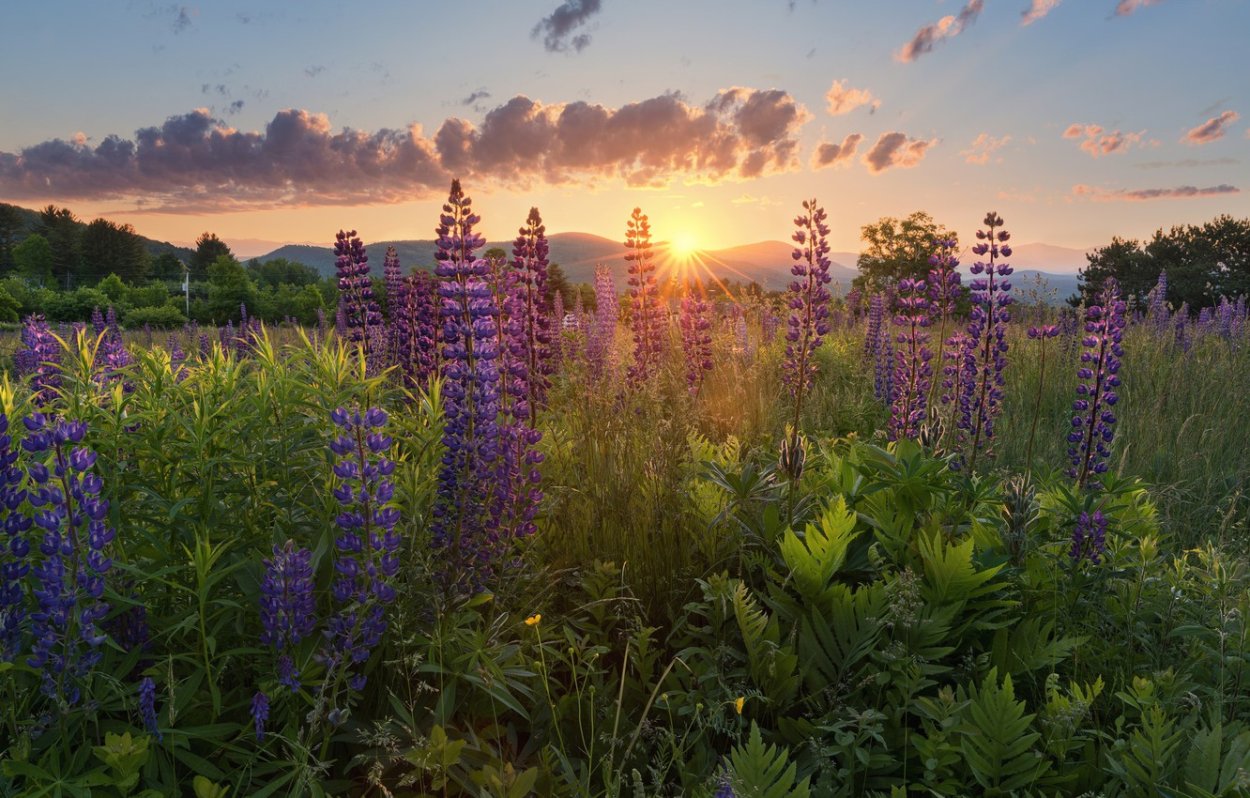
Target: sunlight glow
<point>685,246</point>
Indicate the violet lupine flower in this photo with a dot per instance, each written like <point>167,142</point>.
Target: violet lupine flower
<point>147,707</point>
<point>111,355</point>
<point>646,316</point>
<point>724,789</point>
<point>602,333</point>
<point>557,330</point>
<point>808,301</point>
<point>913,371</point>
<point>392,279</point>
<point>415,328</point>
<point>945,291</point>
<point>260,714</point>
<point>1089,537</point>
<point>460,526</point>
<point>40,357</point>
<point>883,366</point>
<point>985,355</point>
<point>696,338</point>
<point>768,325</point>
<point>528,283</point>
<point>876,320</point>
<point>71,574</point>
<point>361,317</point>
<point>287,608</point>
<point>14,547</point>
<point>367,545</point>
<point>1093,422</point>
<point>1157,312</point>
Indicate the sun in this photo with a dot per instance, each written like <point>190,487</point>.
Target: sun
<point>685,246</point>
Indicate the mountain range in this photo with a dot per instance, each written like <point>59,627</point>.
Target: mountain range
<point>764,262</point>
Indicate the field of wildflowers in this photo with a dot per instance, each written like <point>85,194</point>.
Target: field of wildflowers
<point>935,541</point>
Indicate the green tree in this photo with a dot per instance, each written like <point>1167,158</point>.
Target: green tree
<point>228,289</point>
<point>557,281</point>
<point>166,266</point>
<point>898,248</point>
<point>10,229</point>
<point>8,306</point>
<point>34,260</point>
<point>280,271</point>
<point>109,248</point>
<point>64,233</point>
<point>208,249</point>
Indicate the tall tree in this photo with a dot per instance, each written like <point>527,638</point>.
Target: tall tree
<point>898,248</point>
<point>33,259</point>
<point>208,248</point>
<point>64,233</point>
<point>109,248</point>
<point>10,229</point>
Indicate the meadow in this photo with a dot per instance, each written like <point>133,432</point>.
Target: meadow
<point>293,561</point>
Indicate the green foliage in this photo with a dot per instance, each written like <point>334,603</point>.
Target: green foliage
<point>761,771</point>
<point>160,317</point>
<point>33,259</point>
<point>898,248</point>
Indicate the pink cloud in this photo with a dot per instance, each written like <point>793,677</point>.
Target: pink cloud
<point>983,148</point>
<point>896,149</point>
<point>1098,142</point>
<point>1212,129</point>
<point>1036,10</point>
<point>1126,7</point>
<point>194,160</point>
<point>1143,194</point>
<point>843,100</point>
<point>830,154</point>
<point>947,27</point>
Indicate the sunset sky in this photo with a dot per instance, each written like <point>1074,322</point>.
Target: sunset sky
<point>1076,120</point>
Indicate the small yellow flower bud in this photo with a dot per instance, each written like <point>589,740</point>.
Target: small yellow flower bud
<point>533,619</point>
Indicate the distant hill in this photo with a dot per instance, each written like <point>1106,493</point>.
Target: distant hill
<point>30,222</point>
<point>765,262</point>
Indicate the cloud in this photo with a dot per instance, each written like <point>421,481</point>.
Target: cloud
<point>843,100</point>
<point>1143,194</point>
<point>1036,10</point>
<point>947,27</point>
<point>314,70</point>
<point>1125,7</point>
<point>983,148</point>
<point>750,199</point>
<point>480,94</point>
<point>896,149</point>
<point>234,107</point>
<point>196,161</point>
<point>557,29</point>
<point>1098,141</point>
<point>830,154</point>
<point>1211,129</point>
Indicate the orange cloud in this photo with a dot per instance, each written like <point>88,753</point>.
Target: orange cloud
<point>1212,129</point>
<point>983,148</point>
<point>1143,194</point>
<point>830,154</point>
<point>843,100</point>
<point>1126,7</point>
<point>195,161</point>
<point>896,149</point>
<point>947,27</point>
<point>1036,10</point>
<point>1098,142</point>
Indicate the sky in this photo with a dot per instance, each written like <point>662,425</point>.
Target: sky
<point>1076,120</point>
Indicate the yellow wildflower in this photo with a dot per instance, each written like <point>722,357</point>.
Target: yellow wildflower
<point>533,619</point>
<point>739,702</point>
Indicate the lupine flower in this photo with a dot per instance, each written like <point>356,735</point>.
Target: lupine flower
<point>725,788</point>
<point>602,333</point>
<point>111,355</point>
<point>528,279</point>
<point>392,278</point>
<point>646,316</point>
<point>40,357</point>
<point>883,363</point>
<point>14,547</point>
<point>1093,422</point>
<point>945,291</point>
<point>1089,537</point>
<point>287,608</point>
<point>696,338</point>
<point>985,355</point>
<point>366,548</point>
<point>471,396</point>
<point>768,325</point>
<point>361,317</point>
<point>260,714</point>
<point>913,371</point>
<point>414,329</point>
<point>71,574</point>
<point>557,330</point>
<point>1157,312</point>
<point>147,707</point>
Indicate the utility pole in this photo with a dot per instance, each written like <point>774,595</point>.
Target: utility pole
<point>186,285</point>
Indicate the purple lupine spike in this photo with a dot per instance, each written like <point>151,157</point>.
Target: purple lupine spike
<point>1089,537</point>
<point>366,549</point>
<point>14,546</point>
<point>147,707</point>
<point>600,339</point>
<point>913,371</point>
<point>1093,422</point>
<point>876,320</point>
<point>361,316</point>
<point>97,321</point>
<point>65,493</point>
<point>742,342</point>
<point>985,355</point>
<point>111,355</point>
<point>945,291</point>
<point>460,529</point>
<point>40,357</point>
<point>808,298</point>
<point>696,337</point>
<point>769,321</point>
<point>1158,313</point>
<point>415,329</point>
<point>288,612</point>
<point>529,278</point>
<point>646,316</point>
<point>392,278</point>
<point>557,330</point>
<point>260,714</point>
